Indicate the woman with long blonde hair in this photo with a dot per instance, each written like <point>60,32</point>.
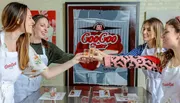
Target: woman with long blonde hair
<point>152,29</point>
<point>168,66</point>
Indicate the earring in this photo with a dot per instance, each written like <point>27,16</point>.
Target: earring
<point>18,21</point>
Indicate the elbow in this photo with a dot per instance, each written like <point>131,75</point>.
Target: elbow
<point>46,74</point>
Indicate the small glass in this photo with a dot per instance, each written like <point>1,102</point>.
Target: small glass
<point>86,52</point>
<point>125,91</point>
<point>105,92</point>
<point>122,91</point>
<point>72,92</point>
<point>53,91</point>
<point>92,50</point>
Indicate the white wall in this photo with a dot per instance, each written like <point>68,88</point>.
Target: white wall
<point>47,5</point>
<point>58,5</point>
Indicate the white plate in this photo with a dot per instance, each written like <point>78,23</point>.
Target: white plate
<point>46,96</point>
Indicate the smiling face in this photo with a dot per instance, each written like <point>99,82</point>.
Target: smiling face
<point>148,33</point>
<point>29,22</point>
<point>170,37</point>
<point>17,16</point>
<point>41,28</point>
<point>152,30</point>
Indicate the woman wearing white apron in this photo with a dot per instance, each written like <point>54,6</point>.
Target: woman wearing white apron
<point>169,67</point>
<point>151,30</point>
<point>25,86</point>
<point>171,84</point>
<point>17,54</point>
<point>171,63</point>
<point>153,79</point>
<point>48,52</point>
<point>8,64</point>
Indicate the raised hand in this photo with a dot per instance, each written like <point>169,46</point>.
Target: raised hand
<point>78,58</point>
<point>99,55</point>
<point>96,56</point>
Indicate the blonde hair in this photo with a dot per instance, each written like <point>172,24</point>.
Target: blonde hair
<point>158,28</point>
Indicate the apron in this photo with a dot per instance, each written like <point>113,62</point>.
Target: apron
<point>171,85</point>
<point>153,79</point>
<point>9,72</point>
<point>25,86</point>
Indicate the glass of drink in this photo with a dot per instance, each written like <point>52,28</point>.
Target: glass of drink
<point>122,91</point>
<point>53,91</point>
<point>92,50</point>
<point>72,92</point>
<point>86,52</point>
<point>125,91</point>
<point>106,92</point>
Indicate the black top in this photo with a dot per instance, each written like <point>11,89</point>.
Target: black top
<point>53,53</point>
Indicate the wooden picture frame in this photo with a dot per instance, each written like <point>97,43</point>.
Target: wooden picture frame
<point>112,17</point>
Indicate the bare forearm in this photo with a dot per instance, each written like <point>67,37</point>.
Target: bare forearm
<point>55,70</point>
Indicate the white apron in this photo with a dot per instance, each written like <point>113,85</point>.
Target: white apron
<point>171,85</point>
<point>153,79</point>
<point>9,72</point>
<point>25,86</point>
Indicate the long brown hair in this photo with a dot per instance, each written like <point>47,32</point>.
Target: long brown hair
<point>13,15</point>
<point>36,18</point>
<point>175,23</point>
<point>158,28</point>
